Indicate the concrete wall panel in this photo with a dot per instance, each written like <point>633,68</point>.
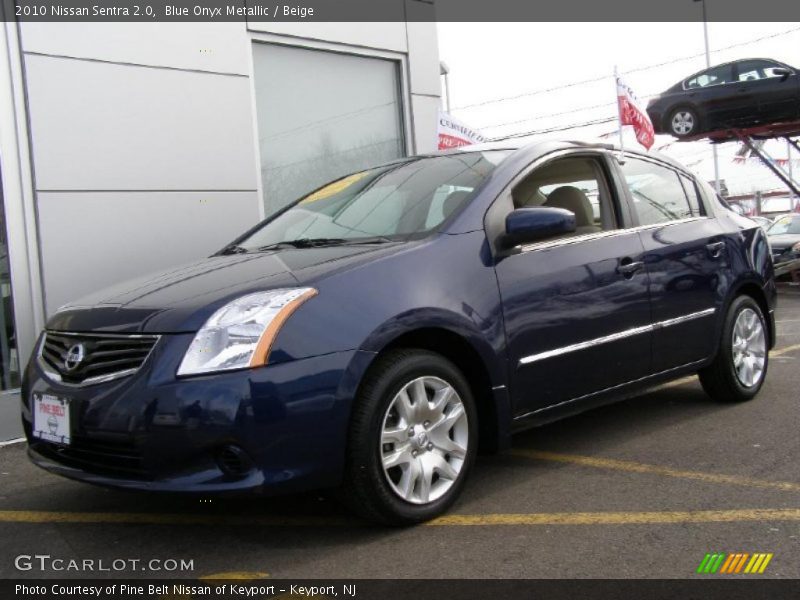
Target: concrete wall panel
<point>101,126</point>
<point>93,240</point>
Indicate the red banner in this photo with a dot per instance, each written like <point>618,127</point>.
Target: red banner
<point>630,113</point>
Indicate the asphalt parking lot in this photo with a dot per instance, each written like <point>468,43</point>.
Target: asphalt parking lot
<point>641,489</point>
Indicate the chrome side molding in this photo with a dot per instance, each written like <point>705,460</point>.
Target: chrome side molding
<point>615,336</point>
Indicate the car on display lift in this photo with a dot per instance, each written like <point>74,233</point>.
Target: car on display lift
<point>742,93</point>
<point>374,334</point>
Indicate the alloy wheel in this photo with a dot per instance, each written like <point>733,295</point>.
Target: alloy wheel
<point>749,348</point>
<point>683,122</point>
<point>424,440</point>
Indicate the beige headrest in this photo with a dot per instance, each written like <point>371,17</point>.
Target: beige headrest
<point>573,200</point>
<point>453,201</point>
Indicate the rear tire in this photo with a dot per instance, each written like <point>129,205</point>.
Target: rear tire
<point>683,122</point>
<point>412,440</point>
<point>740,366</point>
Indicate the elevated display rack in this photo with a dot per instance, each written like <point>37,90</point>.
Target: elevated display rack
<point>787,130</point>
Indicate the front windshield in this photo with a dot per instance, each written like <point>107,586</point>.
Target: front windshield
<point>396,201</point>
<point>790,225</point>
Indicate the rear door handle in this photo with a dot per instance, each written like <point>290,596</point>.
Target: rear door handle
<point>628,268</point>
<point>715,249</point>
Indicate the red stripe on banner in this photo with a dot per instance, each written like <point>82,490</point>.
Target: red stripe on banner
<point>451,141</point>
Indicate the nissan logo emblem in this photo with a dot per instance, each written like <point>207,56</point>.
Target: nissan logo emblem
<point>74,357</point>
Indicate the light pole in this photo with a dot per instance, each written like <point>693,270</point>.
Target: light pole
<point>708,65</point>
<point>444,71</point>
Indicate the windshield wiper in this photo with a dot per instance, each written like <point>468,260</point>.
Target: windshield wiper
<point>377,239</point>
<point>233,249</point>
<point>321,242</point>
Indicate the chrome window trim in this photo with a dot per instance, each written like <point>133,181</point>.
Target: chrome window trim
<point>668,223</point>
<point>621,335</point>
<point>547,244</point>
<point>571,240</point>
<point>705,87</point>
<point>56,378</point>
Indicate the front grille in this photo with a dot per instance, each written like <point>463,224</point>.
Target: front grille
<point>117,458</point>
<point>84,358</point>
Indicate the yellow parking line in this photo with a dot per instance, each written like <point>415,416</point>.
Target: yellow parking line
<point>635,467</point>
<point>785,350</point>
<point>454,520</point>
<point>622,518</point>
<point>36,516</point>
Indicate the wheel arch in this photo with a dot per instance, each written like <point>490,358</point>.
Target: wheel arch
<point>491,398</point>
<point>756,292</point>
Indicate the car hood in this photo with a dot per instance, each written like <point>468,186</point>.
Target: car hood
<point>180,299</point>
<point>781,242</point>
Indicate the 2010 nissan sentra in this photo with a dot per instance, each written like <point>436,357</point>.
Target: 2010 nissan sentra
<point>375,334</point>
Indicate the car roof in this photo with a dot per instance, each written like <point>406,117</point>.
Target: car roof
<point>542,147</point>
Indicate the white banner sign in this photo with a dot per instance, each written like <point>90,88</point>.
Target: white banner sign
<point>453,133</point>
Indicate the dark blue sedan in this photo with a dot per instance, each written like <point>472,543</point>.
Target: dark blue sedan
<point>375,334</point>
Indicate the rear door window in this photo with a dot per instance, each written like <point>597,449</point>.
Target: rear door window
<point>715,76</point>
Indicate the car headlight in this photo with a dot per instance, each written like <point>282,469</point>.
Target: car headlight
<point>240,334</point>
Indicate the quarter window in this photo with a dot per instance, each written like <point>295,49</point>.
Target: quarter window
<point>657,192</point>
<point>695,203</point>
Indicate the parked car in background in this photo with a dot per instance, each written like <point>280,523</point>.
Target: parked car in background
<point>375,333</point>
<point>735,94</point>
<point>763,222</point>
<point>784,240</point>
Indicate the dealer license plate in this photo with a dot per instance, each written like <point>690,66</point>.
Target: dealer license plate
<point>51,418</point>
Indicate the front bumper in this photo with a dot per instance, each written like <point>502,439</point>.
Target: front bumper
<point>286,423</point>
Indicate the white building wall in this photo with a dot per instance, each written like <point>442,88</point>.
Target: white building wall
<point>143,136</point>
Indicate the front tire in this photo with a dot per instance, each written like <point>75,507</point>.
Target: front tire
<point>740,367</point>
<point>412,440</point>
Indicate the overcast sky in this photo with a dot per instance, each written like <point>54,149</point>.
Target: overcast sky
<point>489,61</point>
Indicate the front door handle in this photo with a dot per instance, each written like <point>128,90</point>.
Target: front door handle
<point>628,267</point>
<point>715,249</point>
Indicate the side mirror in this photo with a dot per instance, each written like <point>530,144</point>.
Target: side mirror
<point>526,225</point>
<point>782,73</point>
